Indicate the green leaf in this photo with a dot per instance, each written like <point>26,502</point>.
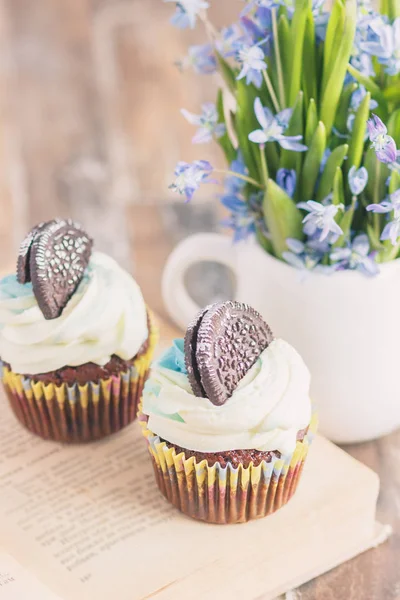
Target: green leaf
<point>345,222</point>
<point>375,190</point>
<point>264,242</point>
<point>394,126</point>
<point>384,7</point>
<point>332,91</point>
<point>392,94</point>
<point>312,163</point>
<point>334,32</point>
<point>278,62</point>
<point>282,217</point>
<point>224,141</point>
<point>371,87</point>
<point>310,76</point>
<point>343,109</point>
<point>312,121</point>
<point>389,252</point>
<point>394,184</point>
<point>272,155</point>
<point>334,161</point>
<point>357,139</point>
<point>273,76</point>
<point>246,122</point>
<point>393,9</point>
<point>297,31</point>
<point>320,64</point>
<point>338,188</point>
<point>283,11</point>
<point>227,72</point>
<point>374,240</point>
<point>285,44</point>
<point>290,159</point>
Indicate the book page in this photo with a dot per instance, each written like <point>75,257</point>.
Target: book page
<point>89,519</point>
<point>16,583</point>
<point>79,514</point>
<point>89,522</point>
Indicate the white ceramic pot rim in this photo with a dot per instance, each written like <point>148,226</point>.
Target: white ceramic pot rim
<point>384,268</point>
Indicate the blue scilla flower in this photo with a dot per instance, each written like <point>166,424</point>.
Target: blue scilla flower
<point>226,42</point>
<point>201,58</point>
<point>255,33</point>
<point>255,4</point>
<point>234,185</point>
<point>356,256</point>
<point>361,59</point>
<point>324,160</point>
<point>320,221</point>
<point>391,230</point>
<point>251,58</point>
<point>286,179</point>
<point>273,128</point>
<point>358,96</point>
<point>316,5</point>
<point>189,177</point>
<point>306,256</point>
<point>321,23</point>
<point>241,220</point>
<point>207,122</point>
<point>384,144</point>
<point>363,63</point>
<point>386,45</point>
<point>358,179</point>
<point>187,12</point>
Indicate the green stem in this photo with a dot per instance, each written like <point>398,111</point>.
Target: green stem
<point>264,165</point>
<point>240,176</point>
<point>395,167</point>
<point>271,91</point>
<point>376,218</point>
<point>212,33</point>
<point>281,84</point>
<point>393,253</point>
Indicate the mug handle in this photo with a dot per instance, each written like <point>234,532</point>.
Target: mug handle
<point>194,249</point>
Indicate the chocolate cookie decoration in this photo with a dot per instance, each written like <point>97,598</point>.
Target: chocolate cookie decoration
<point>59,255</point>
<point>230,338</point>
<point>23,266</point>
<point>190,347</point>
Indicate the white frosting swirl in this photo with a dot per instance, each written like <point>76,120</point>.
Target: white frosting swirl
<point>265,412</point>
<point>106,315</point>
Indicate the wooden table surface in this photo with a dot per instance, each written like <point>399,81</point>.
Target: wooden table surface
<point>374,575</point>
<point>90,128</point>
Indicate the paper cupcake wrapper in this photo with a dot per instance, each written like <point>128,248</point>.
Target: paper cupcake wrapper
<point>79,413</point>
<point>226,494</point>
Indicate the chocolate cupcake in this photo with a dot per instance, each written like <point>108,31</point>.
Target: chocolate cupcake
<point>76,338</point>
<point>227,416</point>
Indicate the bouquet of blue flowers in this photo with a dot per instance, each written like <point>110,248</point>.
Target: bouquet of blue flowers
<point>308,118</point>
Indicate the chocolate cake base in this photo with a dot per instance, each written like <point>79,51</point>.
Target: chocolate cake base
<point>80,404</point>
<point>88,372</point>
<point>226,487</point>
<point>233,457</point>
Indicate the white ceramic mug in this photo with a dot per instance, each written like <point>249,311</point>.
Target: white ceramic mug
<point>345,325</point>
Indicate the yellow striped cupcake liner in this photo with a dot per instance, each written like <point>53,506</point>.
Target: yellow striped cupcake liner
<point>80,413</point>
<point>226,494</point>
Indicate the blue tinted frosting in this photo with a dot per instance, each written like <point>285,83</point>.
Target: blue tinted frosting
<point>10,288</point>
<point>174,358</point>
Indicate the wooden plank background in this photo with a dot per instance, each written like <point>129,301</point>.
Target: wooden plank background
<point>89,111</point>
<point>90,128</point>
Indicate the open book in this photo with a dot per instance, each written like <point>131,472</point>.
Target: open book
<point>84,522</point>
